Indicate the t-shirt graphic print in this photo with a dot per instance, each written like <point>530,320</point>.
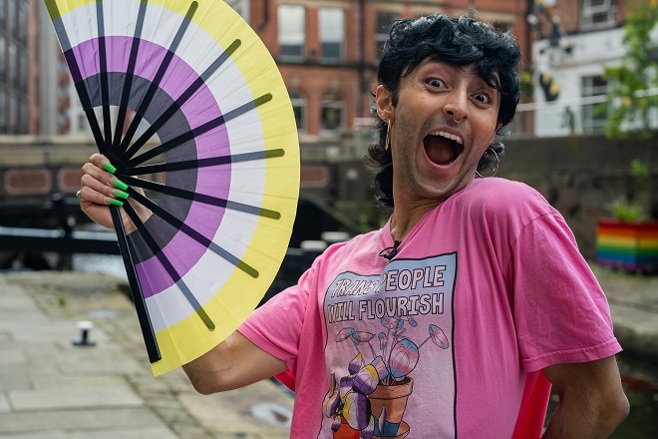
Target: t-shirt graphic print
<point>389,351</point>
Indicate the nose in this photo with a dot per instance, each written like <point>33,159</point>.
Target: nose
<point>455,107</point>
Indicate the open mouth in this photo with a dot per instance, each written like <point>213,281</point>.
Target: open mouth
<point>443,148</point>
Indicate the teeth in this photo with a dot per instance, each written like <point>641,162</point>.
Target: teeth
<point>447,136</point>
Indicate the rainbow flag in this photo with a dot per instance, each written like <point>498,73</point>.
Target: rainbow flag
<point>627,246</point>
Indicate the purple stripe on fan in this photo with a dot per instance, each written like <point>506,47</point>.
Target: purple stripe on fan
<point>182,251</point>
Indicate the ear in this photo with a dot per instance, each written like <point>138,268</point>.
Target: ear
<point>499,125</point>
<point>384,102</point>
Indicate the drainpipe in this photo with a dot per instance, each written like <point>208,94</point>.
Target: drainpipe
<point>266,15</point>
<point>362,56</point>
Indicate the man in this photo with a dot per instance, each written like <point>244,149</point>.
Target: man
<point>443,322</point>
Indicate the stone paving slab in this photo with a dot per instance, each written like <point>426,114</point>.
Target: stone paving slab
<point>124,433</point>
<point>233,412</point>
<point>42,435</point>
<point>82,382</point>
<point>12,356</point>
<point>24,400</point>
<point>13,380</point>
<point>113,433</point>
<point>4,404</point>
<point>73,420</point>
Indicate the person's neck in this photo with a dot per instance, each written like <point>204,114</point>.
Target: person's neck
<point>405,218</point>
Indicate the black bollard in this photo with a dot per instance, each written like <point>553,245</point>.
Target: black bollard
<point>85,327</point>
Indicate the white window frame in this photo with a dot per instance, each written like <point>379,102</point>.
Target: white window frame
<point>590,122</point>
<point>284,32</point>
<point>331,32</point>
<point>589,11</point>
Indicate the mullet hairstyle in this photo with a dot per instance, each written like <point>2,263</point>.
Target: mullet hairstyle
<point>456,41</point>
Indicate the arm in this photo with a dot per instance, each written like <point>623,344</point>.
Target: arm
<point>592,400</point>
<point>235,362</point>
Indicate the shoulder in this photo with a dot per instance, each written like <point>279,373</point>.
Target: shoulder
<point>499,196</point>
<point>485,190</point>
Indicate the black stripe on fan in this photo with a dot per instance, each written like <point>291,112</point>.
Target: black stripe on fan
<point>130,71</point>
<point>204,163</point>
<point>135,287</point>
<point>182,99</point>
<point>201,198</point>
<point>105,85</point>
<point>201,129</point>
<point>155,84</point>
<point>189,231</point>
<point>175,276</point>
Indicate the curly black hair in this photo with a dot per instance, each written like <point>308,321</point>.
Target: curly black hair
<point>457,41</point>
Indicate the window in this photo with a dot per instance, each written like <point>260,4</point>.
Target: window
<point>384,20</point>
<point>332,33</point>
<point>21,25</point>
<point>331,112</point>
<point>299,109</point>
<point>292,31</point>
<point>598,13</point>
<point>3,110</point>
<point>593,114</point>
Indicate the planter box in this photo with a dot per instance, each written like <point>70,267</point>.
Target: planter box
<point>632,247</point>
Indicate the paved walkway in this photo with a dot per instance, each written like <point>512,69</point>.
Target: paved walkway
<point>51,389</point>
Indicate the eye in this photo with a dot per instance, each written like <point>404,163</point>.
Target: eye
<point>434,82</point>
<point>483,98</point>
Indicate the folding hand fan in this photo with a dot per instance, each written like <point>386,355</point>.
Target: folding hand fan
<point>188,105</point>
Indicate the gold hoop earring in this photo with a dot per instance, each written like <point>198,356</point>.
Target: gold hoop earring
<point>496,167</point>
<point>387,142</point>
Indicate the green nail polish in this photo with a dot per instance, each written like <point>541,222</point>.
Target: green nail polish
<point>115,202</point>
<point>118,193</point>
<point>110,168</point>
<point>119,184</point>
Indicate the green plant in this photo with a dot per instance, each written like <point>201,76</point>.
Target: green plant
<point>633,207</point>
<point>623,210</point>
<point>630,101</point>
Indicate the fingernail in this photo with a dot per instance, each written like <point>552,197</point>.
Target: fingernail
<point>119,184</point>
<point>109,167</point>
<point>115,202</point>
<point>118,193</point>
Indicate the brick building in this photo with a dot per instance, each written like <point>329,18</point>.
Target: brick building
<point>573,42</point>
<point>327,51</point>
<point>18,67</point>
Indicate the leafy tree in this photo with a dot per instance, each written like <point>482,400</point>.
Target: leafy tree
<point>635,77</point>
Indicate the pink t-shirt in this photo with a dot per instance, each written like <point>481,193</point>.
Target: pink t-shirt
<point>487,289</point>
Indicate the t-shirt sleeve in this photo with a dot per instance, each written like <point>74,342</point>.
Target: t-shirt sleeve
<point>277,325</point>
<point>561,313</point>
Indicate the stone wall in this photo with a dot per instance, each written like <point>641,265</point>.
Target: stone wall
<point>580,176</point>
